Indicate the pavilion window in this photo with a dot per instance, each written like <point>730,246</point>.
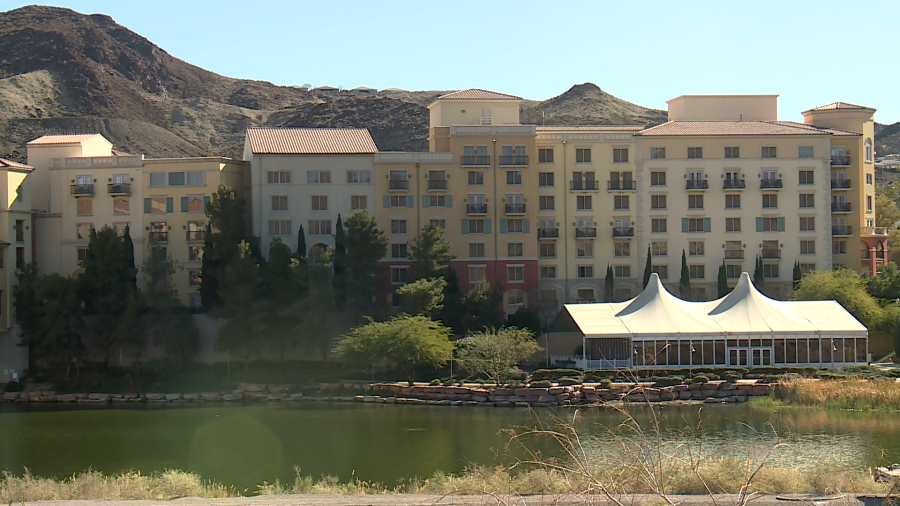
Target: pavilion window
<point>802,351</point>
<point>674,359</point>
<point>779,351</point>
<point>720,352</point>
<point>827,354</point>
<point>861,350</point>
<point>814,356</point>
<point>790,351</point>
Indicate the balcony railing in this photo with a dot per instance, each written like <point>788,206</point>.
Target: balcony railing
<point>398,184</point>
<point>770,254</point>
<point>476,208</point>
<point>623,232</point>
<point>840,160</point>
<point>82,189</point>
<point>437,184</point>
<point>840,184</point>
<point>696,184</point>
<point>548,233</point>
<point>585,231</point>
<point>195,235</point>
<point>584,185</point>
<point>621,185</point>
<point>118,189</point>
<point>514,160</point>
<point>840,207</point>
<point>841,230</point>
<point>734,184</point>
<point>734,254</point>
<point>874,231</point>
<point>864,254</point>
<point>770,183</point>
<point>476,160</point>
<point>517,208</point>
<point>159,236</point>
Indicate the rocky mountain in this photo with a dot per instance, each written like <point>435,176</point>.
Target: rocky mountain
<point>887,138</point>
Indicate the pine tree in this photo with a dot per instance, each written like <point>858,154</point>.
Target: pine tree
<point>365,246</point>
<point>684,284</point>
<point>723,280</point>
<point>209,280</point>
<point>609,285</point>
<point>430,252</point>
<point>648,268</point>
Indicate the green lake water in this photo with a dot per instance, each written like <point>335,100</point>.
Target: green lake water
<point>246,445</point>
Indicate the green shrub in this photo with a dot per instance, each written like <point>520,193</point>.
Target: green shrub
<point>13,386</point>
<point>540,384</point>
<point>668,381</point>
<point>731,376</point>
<point>700,378</point>
<point>450,382</point>
<point>555,374</point>
<point>435,382</point>
<point>595,375</point>
<point>605,383</point>
<point>569,381</point>
<point>518,375</point>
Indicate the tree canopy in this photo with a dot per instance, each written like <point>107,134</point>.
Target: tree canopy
<point>495,352</point>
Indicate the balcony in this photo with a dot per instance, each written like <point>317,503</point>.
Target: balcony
<point>584,185</point>
<point>514,160</point>
<point>734,254</point>
<point>548,233</point>
<point>437,184</point>
<point>475,160</point>
<point>118,189</point>
<point>516,208</point>
<point>840,207</point>
<point>771,254</point>
<point>159,236</point>
<point>398,184</point>
<point>585,231</point>
<point>621,186</point>
<point>875,231</point>
<point>82,189</point>
<point>195,235</point>
<point>840,160</point>
<point>864,255</point>
<point>623,232</point>
<point>696,184</point>
<point>770,183</point>
<point>734,184</point>
<point>842,230</point>
<point>840,184</point>
<point>476,208</point>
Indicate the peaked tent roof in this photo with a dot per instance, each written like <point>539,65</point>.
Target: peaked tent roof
<point>745,309</point>
<point>656,311</point>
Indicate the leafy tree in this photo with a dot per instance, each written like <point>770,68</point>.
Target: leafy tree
<point>849,289</point>
<point>759,278</point>
<point>423,296</point>
<point>27,308</point>
<point>886,285</point>
<point>482,307</point>
<point>339,261</point>
<point>430,251</point>
<point>723,281</point>
<point>452,313</point>
<point>648,268</point>
<point>609,285</point>
<point>528,319</point>
<point>300,254</point>
<point>405,341</point>
<point>684,284</point>
<point>366,245</point>
<point>319,300</point>
<point>61,319</point>
<point>887,212</point>
<point>166,322</point>
<point>209,287</point>
<point>128,255</point>
<point>226,212</point>
<point>243,305</point>
<point>797,274</point>
<point>283,290</point>
<point>496,352</point>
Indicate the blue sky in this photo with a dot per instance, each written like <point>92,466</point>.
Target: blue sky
<point>809,52</point>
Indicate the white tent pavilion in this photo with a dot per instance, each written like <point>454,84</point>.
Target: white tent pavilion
<point>743,329</point>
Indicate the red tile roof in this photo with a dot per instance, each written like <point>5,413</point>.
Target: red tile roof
<point>310,141</point>
<point>601,128</point>
<point>8,164</point>
<point>61,139</point>
<point>477,94</point>
<point>838,105</point>
<point>736,128</point>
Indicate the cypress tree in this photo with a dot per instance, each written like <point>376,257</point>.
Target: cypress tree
<point>300,253</point>
<point>684,284</point>
<point>609,285</point>
<point>648,268</point>
<point>340,260</point>
<point>209,283</point>
<point>798,274</point>
<point>128,257</point>
<point>758,277</point>
<point>723,280</point>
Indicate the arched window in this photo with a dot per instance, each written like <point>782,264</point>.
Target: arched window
<point>868,149</point>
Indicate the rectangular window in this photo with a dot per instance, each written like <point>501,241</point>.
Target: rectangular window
<point>620,155</point>
<point>158,205</point>
<point>515,249</point>
<point>513,177</point>
<point>514,226</point>
<point>657,178</point>
<point>868,202</point>
<point>476,250</point>
<point>548,250</point>
<point>585,271</point>
<point>807,200</point>
<point>732,152</point>
<point>806,177</point>
<point>770,224</point>
<point>697,271</point>
<point>622,249</point>
<point>437,201</point>
<point>658,225</point>
<point>476,273</point>
<point>83,230</point>
<point>359,176</point>
<point>769,201</point>
<point>157,179</point>
<point>280,202</point>
<point>620,202</point>
<point>359,202</point>
<point>515,297</point>
<point>20,257</point>
<point>805,152</point>
<point>583,155</point>
<point>768,152</point>
<point>399,275</point>
<point>695,201</point>
<point>661,270</point>
<point>194,277</point>
<point>548,271</point>
<point>839,247</point>
<point>476,177</point>
<point>398,251</point>
<point>770,270</point>
<point>807,223</point>
<point>546,203</point>
<point>733,271</point>
<point>196,178</point>
<point>695,152</point>
<point>121,206</point>
<point>657,202</point>
<point>195,204</point>
<point>86,206</point>
<point>398,226</point>
<point>695,225</point>
<point>807,268</point>
<point>659,248</point>
<point>280,227</point>
<point>159,231</point>
<point>195,253</point>
<point>732,201</point>
<point>808,247</point>
<point>20,232</point>
<point>732,224</point>
<point>318,177</point>
<point>585,248</point>
<point>515,274</point>
<point>277,177</point>
<point>696,248</point>
<point>399,200</point>
<point>176,179</point>
<point>657,153</point>
<point>319,227</point>
<point>622,271</point>
<point>476,226</point>
<point>545,179</point>
<point>545,155</point>
<point>583,203</point>
<point>438,222</point>
<point>585,295</point>
<point>868,178</point>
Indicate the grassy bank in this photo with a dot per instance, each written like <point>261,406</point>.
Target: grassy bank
<point>856,394</point>
<point>720,475</point>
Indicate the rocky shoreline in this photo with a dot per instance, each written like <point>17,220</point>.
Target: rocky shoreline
<point>438,395</point>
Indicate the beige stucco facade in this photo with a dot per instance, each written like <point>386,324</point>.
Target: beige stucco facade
<point>15,250</point>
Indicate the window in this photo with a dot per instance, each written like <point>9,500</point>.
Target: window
<point>195,204</point>
<point>86,206</point>
<point>620,202</point>
<point>545,179</point>
<point>196,178</point>
<point>546,203</point>
<point>733,271</point>
<point>770,224</point>
<point>398,251</point>
<point>695,152</point>
<point>195,253</point>
<point>545,155</point>
<point>157,179</point>
<point>807,200</point>
<point>695,201</point>
<point>280,202</point>
<point>622,271</point>
<point>768,152</point>
<point>515,297</point>
<point>120,228</point>
<point>695,225</point>
<point>515,274</point>
<point>659,248</point>
<point>657,178</point>
<point>770,270</point>
<point>20,257</point>
<point>319,227</point>
<point>513,177</point>
<point>514,249</point>
<point>868,202</point>
<point>583,155</point>
<point>399,200</point>
<point>807,223</point>
<point>585,271</point>
<point>696,248</point>
<point>805,152</point>
<point>438,222</point>
<point>585,295</point>
<point>275,177</point>
<point>583,203</point>
<point>159,231</point>
<point>732,201</point>
<point>585,248</point>
<point>658,225</point>
<point>548,250</point>
<point>657,201</point>
<point>514,226</point>
<point>868,178</point>
<point>732,224</point>
<point>769,201</point>
<point>620,155</point>
<point>437,201</point>
<point>476,177</point>
<point>806,177</point>
<point>120,206</point>
<point>359,176</point>
<point>807,268</point>
<point>280,227</point>
<point>20,231</point>
<point>359,202</point>
<point>83,231</point>
<point>476,250</point>
<point>807,247</point>
<point>661,270</point>
<point>176,179</point>
<point>476,273</point>
<point>839,247</point>
<point>548,271</point>
<point>318,177</point>
<point>697,271</point>
<point>398,226</point>
<point>732,152</point>
<point>622,249</point>
<point>194,277</point>
<point>399,275</point>
<point>158,205</point>
<point>658,153</point>
<point>868,149</point>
